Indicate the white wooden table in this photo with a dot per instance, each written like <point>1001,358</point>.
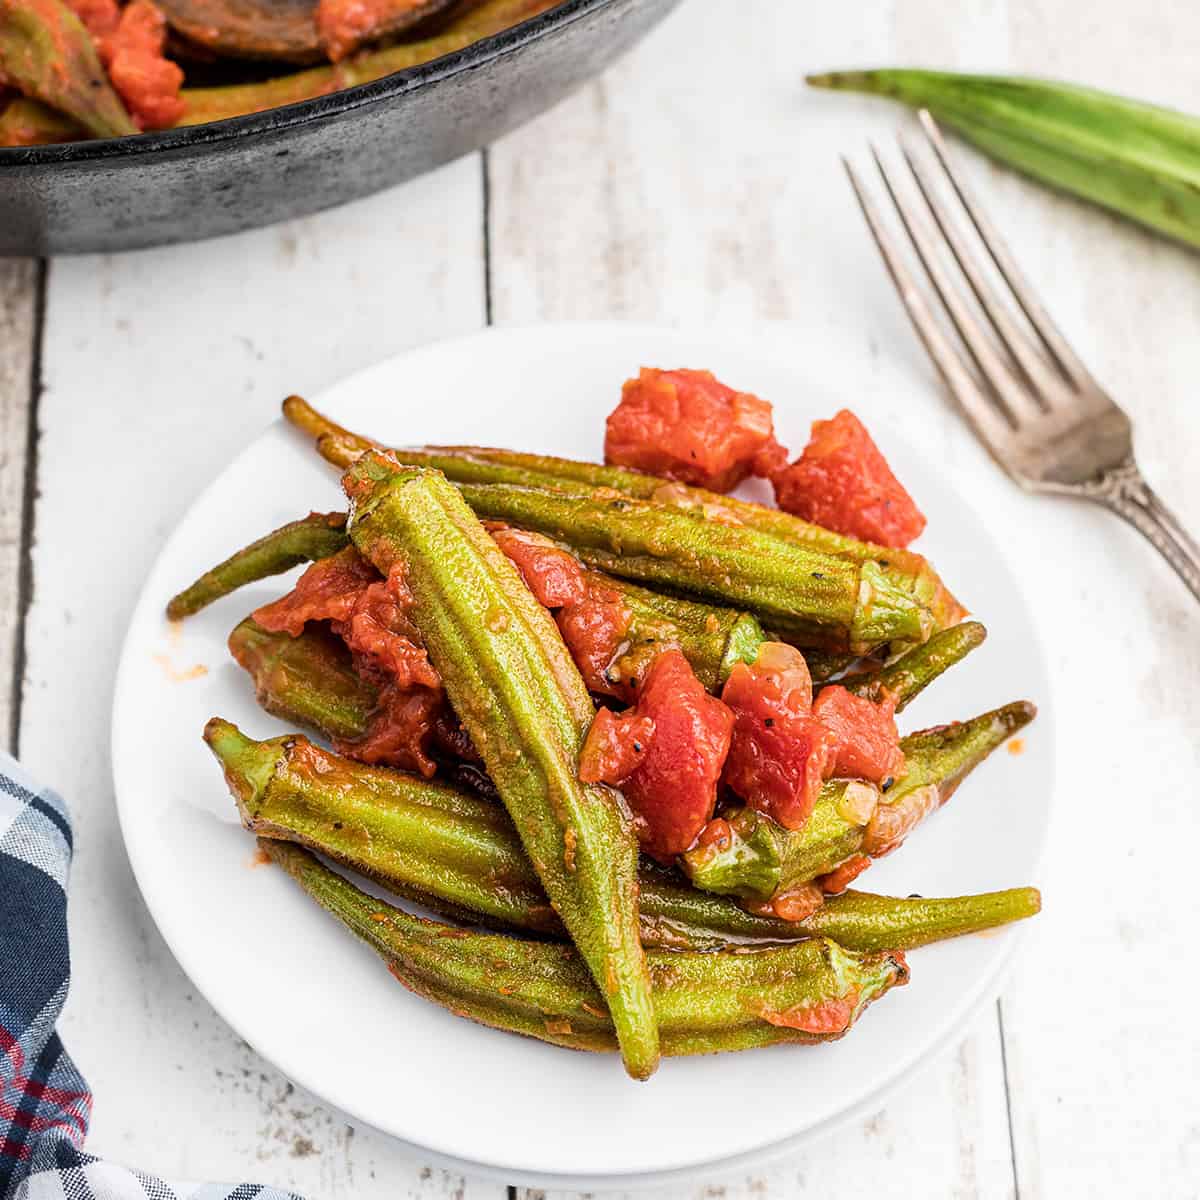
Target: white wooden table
<point>696,181</point>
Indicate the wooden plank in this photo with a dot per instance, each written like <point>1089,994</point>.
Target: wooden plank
<point>698,183</point>
<point>19,288</point>
<point>159,366</point>
<point>1095,1040</point>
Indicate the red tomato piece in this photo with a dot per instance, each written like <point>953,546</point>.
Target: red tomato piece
<point>868,743</point>
<point>552,574</point>
<point>780,754</point>
<point>594,630</point>
<point>825,1017</point>
<point>401,730</point>
<point>840,878</point>
<point>379,628</point>
<point>689,426</point>
<point>140,71</point>
<point>100,17</point>
<point>328,590</point>
<point>672,788</point>
<point>842,481</point>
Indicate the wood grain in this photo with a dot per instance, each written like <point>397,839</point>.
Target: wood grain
<point>19,287</point>
<point>158,367</point>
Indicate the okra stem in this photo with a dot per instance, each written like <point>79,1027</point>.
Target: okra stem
<point>308,680</point>
<point>461,857</point>
<point>316,536</point>
<point>808,991</point>
<point>520,698</point>
<point>760,860</point>
<point>915,670</point>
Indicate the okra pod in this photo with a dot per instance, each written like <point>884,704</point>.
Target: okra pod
<point>809,991</point>
<point>711,637</point>
<point>316,536</point>
<point>810,595</point>
<point>520,698</point>
<point>759,860</point>
<point>916,669</point>
<point>308,680</point>
<point>909,571</point>
<point>461,857</point>
<point>48,54</point>
<point>1137,159</point>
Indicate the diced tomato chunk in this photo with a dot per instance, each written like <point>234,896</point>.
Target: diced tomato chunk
<point>143,76</point>
<point>379,627</point>
<point>328,590</point>
<point>552,574</point>
<point>831,1015</point>
<point>868,743</point>
<point>689,426</point>
<point>401,730</point>
<point>840,878</point>
<point>100,17</point>
<point>594,630</point>
<point>842,481</point>
<point>780,754</point>
<point>672,786</point>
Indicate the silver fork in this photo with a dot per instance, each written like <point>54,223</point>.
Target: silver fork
<point>1030,400</point>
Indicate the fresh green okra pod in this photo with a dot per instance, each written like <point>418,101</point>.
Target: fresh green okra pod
<point>519,696</point>
<point>461,857</point>
<point>308,680</point>
<point>807,991</point>
<point>47,53</point>
<point>316,536</point>
<point>1137,159</point>
<point>761,860</point>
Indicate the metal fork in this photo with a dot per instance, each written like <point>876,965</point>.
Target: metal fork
<point>1031,401</point>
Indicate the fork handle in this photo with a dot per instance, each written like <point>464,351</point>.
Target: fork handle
<point>1126,493</point>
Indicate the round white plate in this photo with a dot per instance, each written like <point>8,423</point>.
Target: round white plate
<point>322,1007</point>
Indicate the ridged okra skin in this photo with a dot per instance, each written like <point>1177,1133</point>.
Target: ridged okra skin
<point>516,691</point>
<point>812,596</point>
<point>906,570</point>
<point>461,857</point>
<point>1137,159</point>
<point>316,536</point>
<point>308,680</point>
<point>761,860</point>
<point>809,991</point>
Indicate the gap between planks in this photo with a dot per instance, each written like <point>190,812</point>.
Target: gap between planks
<point>22,297</point>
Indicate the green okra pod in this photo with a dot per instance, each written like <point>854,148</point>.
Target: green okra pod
<point>48,54</point>
<point>316,536</point>
<point>461,857</point>
<point>807,991</point>
<point>308,680</point>
<point>810,595</point>
<point>905,569</point>
<point>1137,159</point>
<point>519,696</point>
<point>760,860</point>
<point>909,675</point>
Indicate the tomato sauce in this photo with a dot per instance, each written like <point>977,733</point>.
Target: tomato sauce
<point>666,755</point>
<point>842,481</point>
<point>145,79</point>
<point>689,426</point>
<point>780,754</point>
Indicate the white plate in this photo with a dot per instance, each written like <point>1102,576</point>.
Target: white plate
<point>321,1006</point>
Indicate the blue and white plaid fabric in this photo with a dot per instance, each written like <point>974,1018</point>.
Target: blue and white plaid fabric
<point>45,1103</point>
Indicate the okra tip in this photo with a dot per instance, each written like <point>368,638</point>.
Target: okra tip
<point>249,765</point>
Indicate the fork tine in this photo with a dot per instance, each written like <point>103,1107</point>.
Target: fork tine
<point>979,410</point>
<point>1056,345</point>
<point>1046,382</point>
<point>1008,395</point>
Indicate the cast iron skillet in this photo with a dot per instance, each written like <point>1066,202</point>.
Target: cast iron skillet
<point>205,180</point>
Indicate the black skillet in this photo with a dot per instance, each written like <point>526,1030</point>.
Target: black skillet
<point>205,180</point>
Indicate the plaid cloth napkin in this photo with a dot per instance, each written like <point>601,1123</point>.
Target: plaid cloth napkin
<point>45,1103</point>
